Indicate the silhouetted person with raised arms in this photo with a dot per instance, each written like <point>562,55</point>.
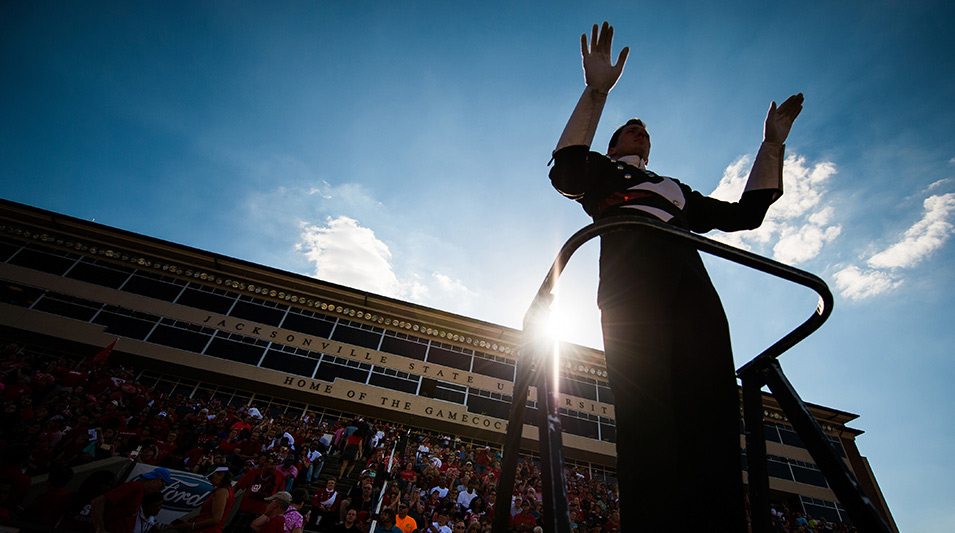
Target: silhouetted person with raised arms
<point>666,337</point>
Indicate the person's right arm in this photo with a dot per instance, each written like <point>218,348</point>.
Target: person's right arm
<point>600,75</point>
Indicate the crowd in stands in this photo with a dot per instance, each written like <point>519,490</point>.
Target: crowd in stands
<point>60,414</point>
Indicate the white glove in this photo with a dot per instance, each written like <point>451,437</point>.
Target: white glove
<point>780,120</point>
<point>600,76</point>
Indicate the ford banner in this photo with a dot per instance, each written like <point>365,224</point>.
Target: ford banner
<point>186,493</point>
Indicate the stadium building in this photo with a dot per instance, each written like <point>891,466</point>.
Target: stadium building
<point>204,325</point>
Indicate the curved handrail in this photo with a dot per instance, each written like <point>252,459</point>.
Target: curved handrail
<point>533,340</point>
<point>743,257</point>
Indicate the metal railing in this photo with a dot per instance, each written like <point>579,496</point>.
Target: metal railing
<point>536,364</point>
<point>386,479</point>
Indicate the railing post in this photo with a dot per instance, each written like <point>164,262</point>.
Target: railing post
<point>757,468</point>
<point>556,510</point>
<point>528,368</point>
<point>847,489</point>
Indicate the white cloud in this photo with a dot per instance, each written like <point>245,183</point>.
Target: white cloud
<point>321,191</point>
<point>733,181</point>
<point>418,292</point>
<point>857,284</point>
<point>916,244</point>
<point>923,238</point>
<point>798,225</point>
<point>344,252</point>
<point>799,244</point>
<point>449,285</point>
<point>939,183</point>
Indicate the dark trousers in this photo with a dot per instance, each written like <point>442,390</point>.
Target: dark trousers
<point>670,366</point>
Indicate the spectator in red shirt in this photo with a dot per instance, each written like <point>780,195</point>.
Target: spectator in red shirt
<point>117,510</point>
<point>229,443</point>
<point>241,424</point>
<point>273,519</point>
<point>613,523</point>
<point>215,510</point>
<point>408,476</point>
<point>253,445</point>
<point>169,445</point>
<point>326,502</point>
<point>259,483</point>
<point>524,520</point>
<point>483,460</point>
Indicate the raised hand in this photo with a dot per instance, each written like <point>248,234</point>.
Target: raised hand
<point>780,120</point>
<point>599,73</point>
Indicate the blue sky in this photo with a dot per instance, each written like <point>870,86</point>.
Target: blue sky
<point>401,148</point>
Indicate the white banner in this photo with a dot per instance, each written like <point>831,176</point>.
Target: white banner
<point>186,493</point>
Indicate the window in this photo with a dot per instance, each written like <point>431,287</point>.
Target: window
<point>239,399</point>
<point>8,247</point>
<point>201,297</point>
<point>788,436</point>
<point>154,286</point>
<point>301,352</point>
<point>68,306</point>
<point>52,263</point>
<point>358,337</point>
<point>493,369</point>
<point>292,364</point>
<point>818,508</point>
<point>809,476</point>
<point>257,313</point>
<point>99,273</point>
<point>441,390</point>
<point>393,383</point>
<point>836,445</point>
<point>184,388</point>
<point>237,348</point>
<point>404,347</point>
<point>19,295</point>
<point>394,379</point>
<point>330,370</point>
<point>779,467</point>
<point>576,387</point>
<point>442,356</point>
<point>125,322</point>
<point>308,322</point>
<point>604,394</point>
<point>181,335</point>
<point>608,432</point>
<point>489,407</point>
<point>577,426</point>
<point>772,435</point>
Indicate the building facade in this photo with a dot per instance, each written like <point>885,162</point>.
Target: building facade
<point>204,325</point>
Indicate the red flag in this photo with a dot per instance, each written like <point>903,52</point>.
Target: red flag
<point>104,355</point>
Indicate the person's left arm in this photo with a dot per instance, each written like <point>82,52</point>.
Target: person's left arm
<point>767,171</point>
<point>765,183</point>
